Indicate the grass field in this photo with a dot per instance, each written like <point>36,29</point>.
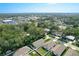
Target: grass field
<point>41,51</point>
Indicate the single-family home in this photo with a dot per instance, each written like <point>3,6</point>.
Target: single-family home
<point>71,52</point>
<point>70,37</point>
<point>22,51</point>
<point>38,43</point>
<point>58,49</point>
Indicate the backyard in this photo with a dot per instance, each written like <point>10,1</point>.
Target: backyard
<point>33,53</point>
<point>42,51</point>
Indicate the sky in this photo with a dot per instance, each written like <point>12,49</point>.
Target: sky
<point>39,7</point>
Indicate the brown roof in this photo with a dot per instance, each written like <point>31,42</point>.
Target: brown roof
<point>58,49</point>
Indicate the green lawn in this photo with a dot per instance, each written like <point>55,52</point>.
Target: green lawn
<point>46,40</point>
<point>50,54</point>
<point>33,53</point>
<point>41,51</point>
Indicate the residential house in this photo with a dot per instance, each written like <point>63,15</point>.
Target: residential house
<point>49,45</point>
<point>71,52</point>
<point>22,51</point>
<point>58,49</point>
<point>38,43</point>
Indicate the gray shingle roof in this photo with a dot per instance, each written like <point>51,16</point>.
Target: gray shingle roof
<point>58,49</point>
<point>22,51</point>
<point>38,43</point>
<point>49,45</point>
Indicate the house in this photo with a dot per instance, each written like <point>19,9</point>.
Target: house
<point>58,49</point>
<point>70,37</point>
<point>54,47</point>
<point>49,45</point>
<point>62,27</point>
<point>71,52</point>
<point>38,43</point>
<point>9,22</point>
<point>22,51</point>
<point>56,33</point>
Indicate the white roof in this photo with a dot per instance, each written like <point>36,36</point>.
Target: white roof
<point>62,27</point>
<point>7,20</point>
<point>46,29</point>
<point>70,37</point>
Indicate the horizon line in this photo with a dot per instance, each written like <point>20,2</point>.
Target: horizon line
<point>43,12</point>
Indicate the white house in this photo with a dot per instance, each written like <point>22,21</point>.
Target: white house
<point>9,21</point>
<point>70,37</point>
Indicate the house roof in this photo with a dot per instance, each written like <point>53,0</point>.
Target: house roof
<point>70,37</point>
<point>49,45</point>
<point>46,29</point>
<point>38,43</point>
<point>58,49</point>
<point>71,52</point>
<point>22,51</point>
<point>54,47</point>
<point>7,20</point>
